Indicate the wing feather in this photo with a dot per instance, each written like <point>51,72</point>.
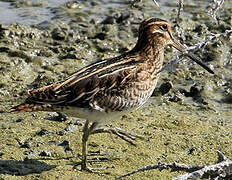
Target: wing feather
<point>94,80</point>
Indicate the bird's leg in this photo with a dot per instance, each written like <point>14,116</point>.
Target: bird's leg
<point>84,146</point>
<point>92,129</point>
<point>86,132</point>
<point>123,134</point>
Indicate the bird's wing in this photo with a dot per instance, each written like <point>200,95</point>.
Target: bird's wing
<point>80,88</point>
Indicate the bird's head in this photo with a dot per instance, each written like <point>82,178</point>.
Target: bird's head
<point>156,34</point>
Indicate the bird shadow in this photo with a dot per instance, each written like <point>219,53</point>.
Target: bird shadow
<point>25,167</point>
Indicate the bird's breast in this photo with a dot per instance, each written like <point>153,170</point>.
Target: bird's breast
<point>133,96</point>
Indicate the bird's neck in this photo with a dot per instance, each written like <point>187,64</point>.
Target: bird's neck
<point>152,53</point>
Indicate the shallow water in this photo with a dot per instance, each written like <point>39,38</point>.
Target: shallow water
<point>34,12</point>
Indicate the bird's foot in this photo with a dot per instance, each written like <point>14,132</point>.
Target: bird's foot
<point>123,134</point>
<point>93,170</point>
<point>86,168</point>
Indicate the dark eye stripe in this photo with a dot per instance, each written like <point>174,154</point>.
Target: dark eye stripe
<point>164,27</point>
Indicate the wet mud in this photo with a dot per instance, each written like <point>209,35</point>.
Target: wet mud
<point>186,120</point>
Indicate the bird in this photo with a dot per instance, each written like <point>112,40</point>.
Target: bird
<point>107,89</point>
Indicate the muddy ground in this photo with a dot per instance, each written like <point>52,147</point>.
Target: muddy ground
<point>186,120</point>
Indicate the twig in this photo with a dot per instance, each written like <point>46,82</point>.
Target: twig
<point>214,9</point>
<point>222,169</point>
<point>136,1</point>
<point>205,42</point>
<point>156,3</point>
<point>221,156</point>
<point>180,7</point>
<point>161,165</point>
<point>201,45</point>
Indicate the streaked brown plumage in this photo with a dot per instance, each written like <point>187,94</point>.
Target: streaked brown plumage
<point>107,89</point>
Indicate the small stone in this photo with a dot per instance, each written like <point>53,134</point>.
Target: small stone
<point>100,36</point>
<point>191,150</point>
<point>26,145</point>
<point>45,153</point>
<point>57,34</point>
<point>64,143</point>
<point>61,133</point>
<point>165,87</point>
<point>43,132</point>
<point>109,20</point>
<point>19,120</point>
<point>4,49</point>
<point>123,16</point>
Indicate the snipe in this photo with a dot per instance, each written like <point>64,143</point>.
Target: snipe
<point>107,89</point>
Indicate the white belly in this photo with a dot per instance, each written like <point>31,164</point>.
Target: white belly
<point>94,115</point>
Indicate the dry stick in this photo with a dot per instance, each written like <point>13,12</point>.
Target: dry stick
<point>201,45</point>
<point>135,1</point>
<point>156,3</point>
<point>212,12</point>
<point>180,7</point>
<point>222,169</point>
<point>161,165</point>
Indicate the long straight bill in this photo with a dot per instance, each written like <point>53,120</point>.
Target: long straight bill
<point>182,48</point>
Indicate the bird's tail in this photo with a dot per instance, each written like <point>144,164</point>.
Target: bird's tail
<point>31,107</point>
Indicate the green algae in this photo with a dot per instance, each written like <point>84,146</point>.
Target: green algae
<point>187,124</point>
<point>175,132</point>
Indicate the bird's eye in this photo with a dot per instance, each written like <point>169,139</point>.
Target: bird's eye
<point>164,27</point>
